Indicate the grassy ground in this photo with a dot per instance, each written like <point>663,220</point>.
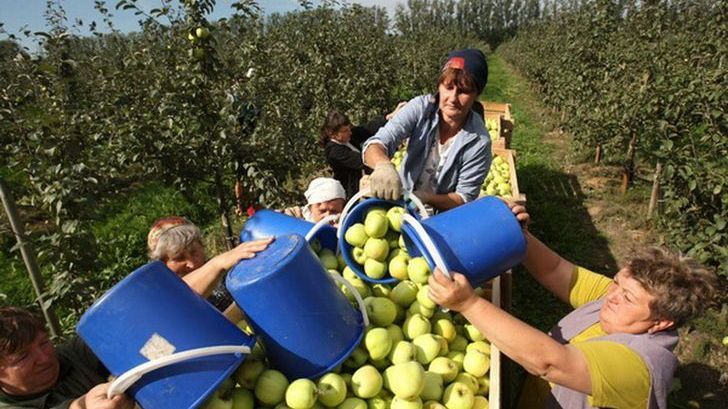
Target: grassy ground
<point>576,208</point>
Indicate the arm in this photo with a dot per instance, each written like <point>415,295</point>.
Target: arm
<point>548,268</point>
<point>342,157</point>
<point>389,137</point>
<point>538,353</point>
<point>441,202</point>
<point>96,398</point>
<point>474,169</point>
<point>204,279</point>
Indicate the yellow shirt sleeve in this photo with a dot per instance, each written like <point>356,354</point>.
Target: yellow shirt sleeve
<point>619,377</point>
<point>587,286</point>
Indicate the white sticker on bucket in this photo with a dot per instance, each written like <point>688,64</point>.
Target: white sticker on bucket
<point>156,347</point>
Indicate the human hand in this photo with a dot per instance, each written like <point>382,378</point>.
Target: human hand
<point>364,183</point>
<point>393,113</point>
<point>384,181</point>
<point>246,250</point>
<point>294,211</point>
<point>456,294</point>
<point>520,212</point>
<point>96,398</point>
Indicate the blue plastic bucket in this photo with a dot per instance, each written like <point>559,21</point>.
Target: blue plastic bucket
<point>481,239</point>
<point>296,309</point>
<point>150,314</point>
<point>267,223</point>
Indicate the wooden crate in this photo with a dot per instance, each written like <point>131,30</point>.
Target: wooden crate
<point>498,393</point>
<point>502,108</point>
<point>504,135</point>
<point>503,112</point>
<point>509,155</point>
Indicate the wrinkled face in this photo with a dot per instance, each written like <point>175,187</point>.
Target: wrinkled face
<point>189,261</point>
<point>455,104</point>
<point>626,307</point>
<point>33,370</point>
<point>323,209</point>
<point>343,134</point>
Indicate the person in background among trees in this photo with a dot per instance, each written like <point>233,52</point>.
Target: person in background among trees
<point>448,153</point>
<point>36,374</point>
<point>615,349</point>
<point>324,197</point>
<point>342,147</point>
<point>178,243</point>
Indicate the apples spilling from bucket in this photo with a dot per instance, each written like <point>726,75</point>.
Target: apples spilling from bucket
<point>377,244</point>
<point>412,356</point>
<point>498,180</point>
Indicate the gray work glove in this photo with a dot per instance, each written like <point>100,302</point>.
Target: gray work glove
<point>384,182</point>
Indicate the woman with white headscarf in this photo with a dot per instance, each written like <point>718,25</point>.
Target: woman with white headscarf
<point>324,197</point>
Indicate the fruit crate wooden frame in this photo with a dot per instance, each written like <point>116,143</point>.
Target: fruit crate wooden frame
<point>506,123</point>
<point>509,155</point>
<point>498,394</point>
<point>504,135</point>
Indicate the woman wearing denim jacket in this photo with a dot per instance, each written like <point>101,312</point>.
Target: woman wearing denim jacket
<point>448,153</point>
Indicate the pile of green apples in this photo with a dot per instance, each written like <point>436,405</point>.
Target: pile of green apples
<point>412,356</point>
<point>498,181</point>
<point>377,244</point>
<point>493,126</point>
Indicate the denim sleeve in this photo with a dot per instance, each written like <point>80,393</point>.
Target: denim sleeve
<point>476,163</point>
<point>399,128</point>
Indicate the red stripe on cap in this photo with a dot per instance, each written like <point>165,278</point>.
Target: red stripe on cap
<point>456,62</point>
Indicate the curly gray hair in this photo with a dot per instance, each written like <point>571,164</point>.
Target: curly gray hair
<point>175,241</point>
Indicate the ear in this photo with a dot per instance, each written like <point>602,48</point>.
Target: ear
<point>661,325</point>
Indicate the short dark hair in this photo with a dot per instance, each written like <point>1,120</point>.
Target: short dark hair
<point>18,329</point>
<point>460,78</point>
<point>334,121</point>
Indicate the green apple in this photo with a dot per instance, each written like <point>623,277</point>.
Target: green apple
<point>353,403</point>
<point>481,346</point>
<point>380,364</point>
<point>301,394</point>
<point>217,401</point>
<point>377,403</point>
<point>445,328</point>
<point>458,396</point>
<point>248,372</point>
<point>366,382</point>
<point>444,367</point>
<point>395,333</point>
<point>418,270</point>
<point>473,333</point>
<point>398,267</point>
<point>480,402</point>
<point>374,268</point>
<point>423,297</point>
<point>406,380</point>
<point>459,343</point>
<point>349,274</point>
<point>358,254</point>
<point>331,390</point>
<point>394,215</point>
<point>381,290</point>
<point>417,308</point>
<point>392,238</point>
<point>404,293</point>
<point>415,325</point>
<point>433,405</point>
<point>202,32</point>
<point>483,385</point>
<point>357,358</point>
<point>458,357</point>
<point>444,346</point>
<point>378,343</point>
<point>427,348</point>
<point>476,363</point>
<point>433,387</point>
<point>315,245</point>
<point>377,249</point>
<point>270,388</point>
<point>400,403</point>
<point>394,252</point>
<point>375,209</point>
<point>376,225</point>
<point>328,259</point>
<point>356,235</point>
<point>440,314</point>
<point>242,398</point>
<point>382,311</point>
<point>403,351</point>
<point>468,380</point>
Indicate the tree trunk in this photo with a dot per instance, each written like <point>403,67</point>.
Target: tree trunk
<point>222,208</point>
<point>598,153</point>
<point>655,191</point>
<point>629,166</point>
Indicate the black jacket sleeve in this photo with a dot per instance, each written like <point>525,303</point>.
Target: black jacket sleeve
<point>342,157</point>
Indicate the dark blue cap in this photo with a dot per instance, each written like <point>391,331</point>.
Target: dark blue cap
<point>473,62</point>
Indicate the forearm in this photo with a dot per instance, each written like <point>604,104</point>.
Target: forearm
<point>204,279</point>
<point>374,154</point>
<point>538,353</point>
<point>547,267</point>
<point>446,201</point>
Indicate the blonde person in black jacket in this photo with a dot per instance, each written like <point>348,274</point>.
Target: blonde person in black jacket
<point>342,146</point>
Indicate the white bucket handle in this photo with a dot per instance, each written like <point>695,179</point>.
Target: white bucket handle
<point>429,244</point>
<point>321,223</point>
<point>356,295</point>
<point>128,378</point>
<point>354,199</point>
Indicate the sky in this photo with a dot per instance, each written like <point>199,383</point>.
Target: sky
<point>18,15</point>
